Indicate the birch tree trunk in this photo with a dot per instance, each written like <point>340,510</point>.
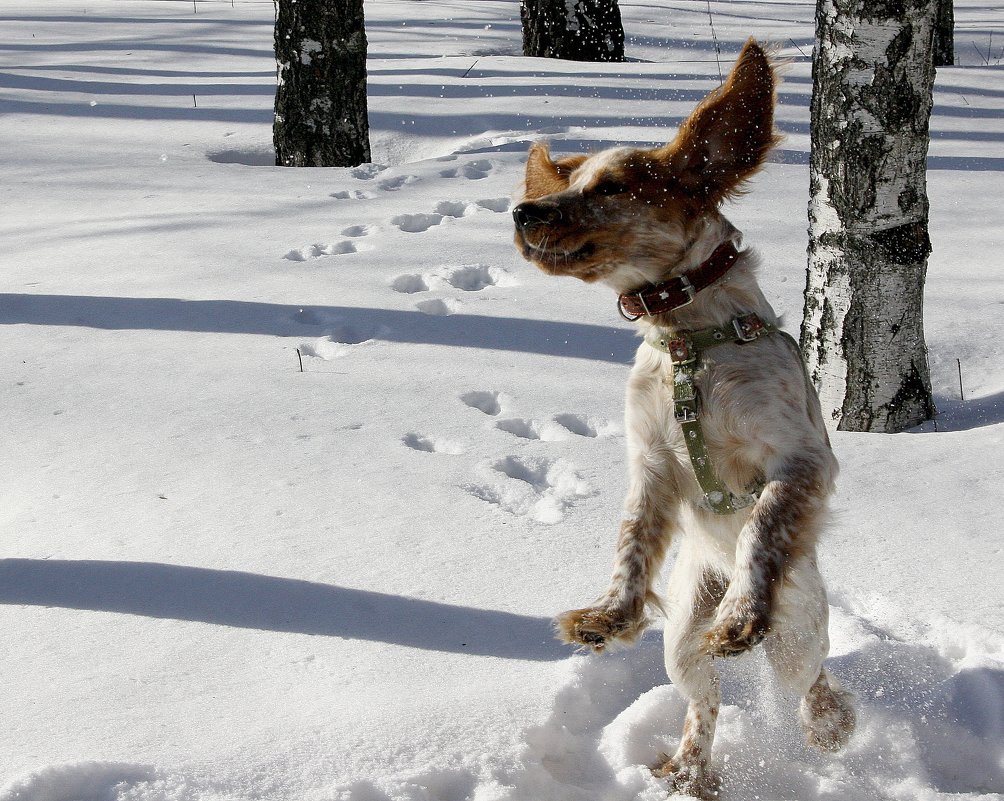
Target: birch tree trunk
<point>579,30</point>
<point>862,329</point>
<point>320,100</point>
<point>944,34</point>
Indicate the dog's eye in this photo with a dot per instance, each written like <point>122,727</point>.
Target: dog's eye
<point>609,188</point>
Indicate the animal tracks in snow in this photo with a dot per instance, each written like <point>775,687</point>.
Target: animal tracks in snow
<point>448,210</point>
<point>539,487</point>
<point>353,194</point>
<point>486,402</point>
<point>339,338</point>
<point>472,171</point>
<point>474,278</point>
<point>316,251</point>
<point>429,444</point>
<point>466,278</point>
<point>416,223</point>
<point>377,182</point>
<point>559,427</point>
<point>367,172</point>
<point>438,307</point>
<point>394,184</point>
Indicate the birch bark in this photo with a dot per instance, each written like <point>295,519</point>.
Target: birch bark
<point>862,329</point>
<point>579,30</point>
<point>944,34</point>
<point>320,101</point>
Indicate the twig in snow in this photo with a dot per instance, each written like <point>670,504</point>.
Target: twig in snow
<point>990,51</point>
<point>470,68</point>
<point>298,356</point>
<point>718,50</point>
<point>799,49</point>
<point>962,393</point>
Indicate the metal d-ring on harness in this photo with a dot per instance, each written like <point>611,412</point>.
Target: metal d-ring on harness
<point>686,352</point>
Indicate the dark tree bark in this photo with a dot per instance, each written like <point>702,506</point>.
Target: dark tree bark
<point>944,34</point>
<point>320,101</point>
<point>862,330</point>
<point>578,30</point>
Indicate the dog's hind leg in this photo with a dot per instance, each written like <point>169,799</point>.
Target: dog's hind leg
<point>827,714</point>
<point>796,647</point>
<point>694,593</point>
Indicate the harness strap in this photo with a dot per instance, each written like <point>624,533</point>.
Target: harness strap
<point>685,351</point>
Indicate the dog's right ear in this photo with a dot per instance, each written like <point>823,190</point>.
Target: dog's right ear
<point>544,176</point>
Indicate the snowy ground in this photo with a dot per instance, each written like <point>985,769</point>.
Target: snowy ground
<point>224,579</point>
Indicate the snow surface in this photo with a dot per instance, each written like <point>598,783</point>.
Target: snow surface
<point>226,579</point>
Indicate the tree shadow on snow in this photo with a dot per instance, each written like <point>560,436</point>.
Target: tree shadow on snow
<point>547,337</point>
<point>958,415</point>
<point>271,603</point>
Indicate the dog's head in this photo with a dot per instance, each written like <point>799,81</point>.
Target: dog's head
<point>625,215</point>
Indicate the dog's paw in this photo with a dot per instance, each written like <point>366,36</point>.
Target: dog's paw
<point>828,717</point>
<point>599,627</point>
<point>684,779</point>
<point>738,627</point>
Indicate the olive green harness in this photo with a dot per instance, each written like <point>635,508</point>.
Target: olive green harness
<point>687,354</point>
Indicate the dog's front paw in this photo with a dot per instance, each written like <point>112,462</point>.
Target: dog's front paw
<point>738,627</point>
<point>684,779</point>
<point>598,627</point>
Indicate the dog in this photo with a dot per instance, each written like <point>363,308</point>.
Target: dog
<point>748,493</point>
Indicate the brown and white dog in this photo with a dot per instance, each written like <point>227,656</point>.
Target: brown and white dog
<point>637,219</point>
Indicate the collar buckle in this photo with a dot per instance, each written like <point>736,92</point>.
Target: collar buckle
<point>627,315</point>
<point>688,289</point>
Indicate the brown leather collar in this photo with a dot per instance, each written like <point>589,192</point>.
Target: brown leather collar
<point>676,292</point>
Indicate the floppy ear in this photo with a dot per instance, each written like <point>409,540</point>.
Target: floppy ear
<point>727,137</point>
<point>544,176</point>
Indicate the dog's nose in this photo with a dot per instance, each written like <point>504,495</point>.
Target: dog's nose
<point>527,215</point>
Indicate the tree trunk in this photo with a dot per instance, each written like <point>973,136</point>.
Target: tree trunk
<point>944,34</point>
<point>863,330</point>
<point>579,30</point>
<point>320,101</point>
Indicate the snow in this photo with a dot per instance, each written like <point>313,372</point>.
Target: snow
<point>225,579</point>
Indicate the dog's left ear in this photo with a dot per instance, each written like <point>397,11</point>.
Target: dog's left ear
<point>727,137</point>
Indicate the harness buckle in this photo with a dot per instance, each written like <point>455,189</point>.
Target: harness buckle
<point>679,351</point>
<point>684,412</point>
<point>748,327</point>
